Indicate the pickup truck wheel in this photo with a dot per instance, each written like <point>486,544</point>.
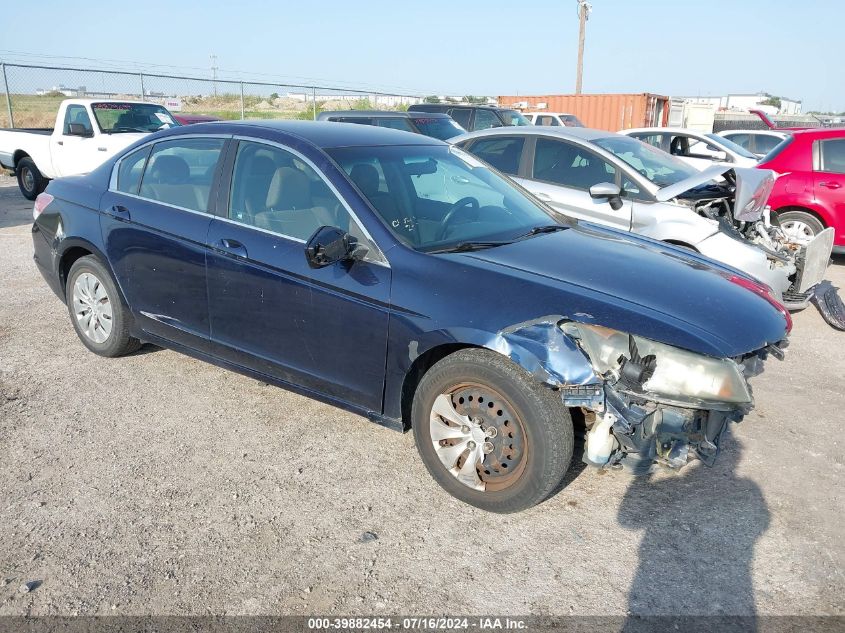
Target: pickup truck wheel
<point>800,226</point>
<point>97,311</point>
<point>489,433</point>
<point>30,180</point>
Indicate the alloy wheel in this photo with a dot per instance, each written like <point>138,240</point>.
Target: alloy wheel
<point>92,308</point>
<point>798,231</point>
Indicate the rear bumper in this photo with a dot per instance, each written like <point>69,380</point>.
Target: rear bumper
<point>46,261</point>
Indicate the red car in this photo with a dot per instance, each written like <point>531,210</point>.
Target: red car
<point>809,194</point>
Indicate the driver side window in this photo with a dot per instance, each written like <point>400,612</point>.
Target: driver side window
<point>275,190</point>
<point>568,165</point>
<point>79,115</point>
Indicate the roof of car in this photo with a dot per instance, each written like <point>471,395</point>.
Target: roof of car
<point>582,133</point>
<point>384,114</point>
<point>323,134</point>
<point>483,106</point>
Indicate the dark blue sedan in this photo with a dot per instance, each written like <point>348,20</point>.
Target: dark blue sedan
<point>403,279</point>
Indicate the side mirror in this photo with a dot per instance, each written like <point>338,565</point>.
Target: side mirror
<point>78,129</point>
<point>610,192</point>
<point>329,245</point>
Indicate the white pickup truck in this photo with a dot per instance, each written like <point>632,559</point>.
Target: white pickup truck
<point>87,132</point>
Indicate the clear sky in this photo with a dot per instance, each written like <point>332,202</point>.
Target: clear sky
<point>790,48</point>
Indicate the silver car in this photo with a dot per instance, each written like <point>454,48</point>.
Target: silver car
<point>621,182</point>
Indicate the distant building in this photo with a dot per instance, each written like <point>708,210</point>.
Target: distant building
<point>745,102</point>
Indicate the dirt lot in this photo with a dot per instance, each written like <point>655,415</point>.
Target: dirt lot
<point>159,484</point>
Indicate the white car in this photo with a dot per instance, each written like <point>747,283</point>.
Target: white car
<point>553,119</point>
<point>694,148</point>
<point>758,142</point>
<point>87,132</point>
<point>620,182</point>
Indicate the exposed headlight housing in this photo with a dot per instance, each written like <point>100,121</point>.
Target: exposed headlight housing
<point>660,371</point>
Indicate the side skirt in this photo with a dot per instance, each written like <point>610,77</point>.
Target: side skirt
<point>372,416</point>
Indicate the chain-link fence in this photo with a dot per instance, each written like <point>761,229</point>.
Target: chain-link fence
<point>742,121</point>
<point>31,95</point>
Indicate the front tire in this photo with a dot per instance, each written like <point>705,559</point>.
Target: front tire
<point>800,226</point>
<point>30,180</point>
<point>489,433</point>
<point>97,311</point>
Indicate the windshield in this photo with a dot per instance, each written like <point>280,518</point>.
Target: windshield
<point>656,165</point>
<point>439,127</point>
<point>132,117</point>
<point>737,149</point>
<point>436,197</point>
<point>513,117</point>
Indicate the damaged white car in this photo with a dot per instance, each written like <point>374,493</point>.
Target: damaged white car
<point>621,182</point>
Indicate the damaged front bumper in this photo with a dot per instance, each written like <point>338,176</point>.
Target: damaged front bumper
<point>629,427</point>
<point>638,434</point>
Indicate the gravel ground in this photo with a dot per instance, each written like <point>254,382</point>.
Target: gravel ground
<point>157,484</point>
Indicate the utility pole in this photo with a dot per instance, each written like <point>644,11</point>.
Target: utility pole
<point>214,71</point>
<point>584,9</point>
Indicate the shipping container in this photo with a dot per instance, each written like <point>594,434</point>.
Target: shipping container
<point>611,112</point>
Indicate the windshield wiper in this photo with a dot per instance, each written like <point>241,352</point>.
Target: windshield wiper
<point>537,230</point>
<point>463,247</point>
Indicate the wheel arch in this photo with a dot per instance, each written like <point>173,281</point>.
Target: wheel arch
<point>805,209</point>
<point>18,156</point>
<point>74,249</point>
<point>538,346</point>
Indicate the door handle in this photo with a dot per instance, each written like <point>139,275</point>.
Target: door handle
<point>60,142</point>
<point>830,185</point>
<point>232,246</point>
<point>543,196</point>
<point>120,211</point>
<point>102,149</point>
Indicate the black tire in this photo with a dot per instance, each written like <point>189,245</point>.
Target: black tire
<point>546,426</point>
<point>795,215</point>
<point>118,342</point>
<point>30,180</point>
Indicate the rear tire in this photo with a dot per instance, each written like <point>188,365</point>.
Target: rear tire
<point>97,311</point>
<point>501,458</point>
<point>801,226</point>
<point>30,180</point>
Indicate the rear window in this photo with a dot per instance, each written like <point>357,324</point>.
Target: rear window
<point>439,127</point>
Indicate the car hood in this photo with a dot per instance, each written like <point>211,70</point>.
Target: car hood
<point>665,293</point>
<point>753,186</point>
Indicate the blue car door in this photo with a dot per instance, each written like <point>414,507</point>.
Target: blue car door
<point>155,221</point>
<point>325,329</point>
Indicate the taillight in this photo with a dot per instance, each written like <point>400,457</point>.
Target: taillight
<point>765,292</point>
<point>41,203</point>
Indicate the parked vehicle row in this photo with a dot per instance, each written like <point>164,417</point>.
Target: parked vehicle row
<point>402,278</point>
<point>87,132</point>
<point>434,124</point>
<point>475,117</point>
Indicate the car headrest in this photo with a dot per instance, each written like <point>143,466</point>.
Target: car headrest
<point>289,189</point>
<point>170,170</point>
<point>262,165</point>
<point>366,177</point>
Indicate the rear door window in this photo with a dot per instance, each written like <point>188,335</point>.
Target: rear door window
<point>180,172</point>
<point>503,153</point>
<point>832,155</point>
<point>547,120</point>
<point>764,143</point>
<point>131,169</point>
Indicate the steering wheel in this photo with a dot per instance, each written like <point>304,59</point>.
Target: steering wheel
<point>464,203</point>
